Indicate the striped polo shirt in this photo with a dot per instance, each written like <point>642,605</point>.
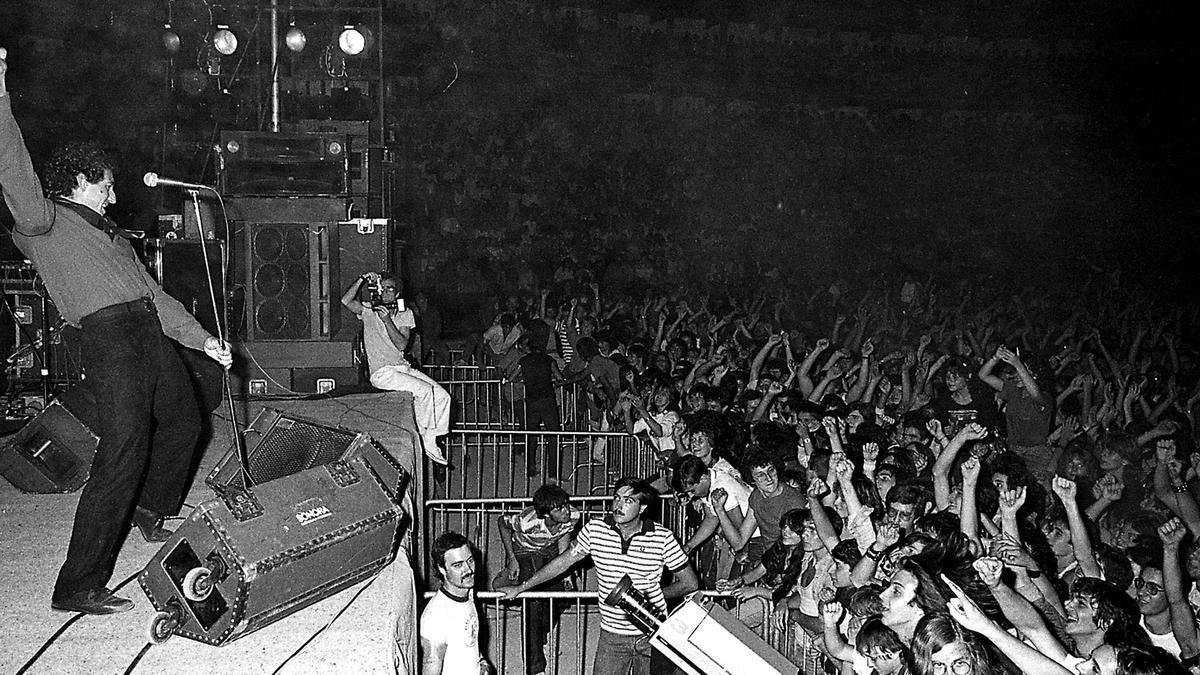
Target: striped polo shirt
<point>642,557</point>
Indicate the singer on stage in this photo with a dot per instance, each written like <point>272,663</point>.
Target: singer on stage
<point>148,416</point>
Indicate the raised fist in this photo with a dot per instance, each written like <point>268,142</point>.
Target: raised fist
<point>1065,488</point>
<point>1171,533</point>
<point>989,570</point>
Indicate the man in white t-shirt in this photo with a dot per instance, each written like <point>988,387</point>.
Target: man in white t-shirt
<point>691,478</point>
<point>387,325</point>
<point>450,622</point>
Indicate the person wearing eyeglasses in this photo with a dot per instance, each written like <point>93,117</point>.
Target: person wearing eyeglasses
<point>1166,614</point>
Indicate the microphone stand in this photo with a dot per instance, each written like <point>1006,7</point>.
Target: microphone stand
<point>239,442</point>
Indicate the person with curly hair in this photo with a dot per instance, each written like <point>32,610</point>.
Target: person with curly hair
<point>148,418</point>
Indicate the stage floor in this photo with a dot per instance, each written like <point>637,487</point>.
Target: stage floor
<point>34,530</point>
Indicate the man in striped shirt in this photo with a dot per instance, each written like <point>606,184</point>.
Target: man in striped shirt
<point>619,544</point>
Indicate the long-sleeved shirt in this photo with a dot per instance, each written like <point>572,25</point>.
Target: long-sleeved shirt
<point>83,267</point>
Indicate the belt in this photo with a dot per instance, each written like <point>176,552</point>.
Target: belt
<point>139,306</point>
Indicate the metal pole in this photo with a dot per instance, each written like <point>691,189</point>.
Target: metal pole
<point>274,66</point>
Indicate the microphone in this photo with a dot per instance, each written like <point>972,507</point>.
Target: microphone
<point>153,180</point>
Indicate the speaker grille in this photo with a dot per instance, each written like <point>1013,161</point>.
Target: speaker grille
<point>282,280</point>
<point>292,446</point>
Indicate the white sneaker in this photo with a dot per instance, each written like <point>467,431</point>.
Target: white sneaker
<point>434,452</point>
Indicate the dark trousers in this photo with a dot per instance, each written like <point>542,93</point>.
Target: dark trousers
<point>142,390</point>
<point>538,414</point>
<point>538,619</point>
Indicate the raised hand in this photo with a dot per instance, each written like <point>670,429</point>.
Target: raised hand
<point>1164,450</point>
<point>964,611</point>
<point>1109,488</point>
<point>831,612</point>
<point>935,428</point>
<point>1013,554</point>
<point>718,497</point>
<point>1011,501</point>
<point>1171,533</point>
<point>1008,356</point>
<point>868,348</point>
<point>970,470</point>
<point>821,345</point>
<point>844,469</point>
<point>1065,488</point>
<point>775,388</point>
<point>887,534</point>
<point>973,432</point>
<point>870,452</point>
<point>988,569</point>
<point>817,488</point>
<point>924,341</point>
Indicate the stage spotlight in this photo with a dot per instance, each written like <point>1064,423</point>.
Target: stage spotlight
<point>354,40</point>
<point>224,41</point>
<point>170,39</point>
<point>294,38</point>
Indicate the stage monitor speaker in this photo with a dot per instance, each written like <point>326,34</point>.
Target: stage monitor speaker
<point>325,516</point>
<point>178,266</point>
<point>253,163</point>
<point>51,454</point>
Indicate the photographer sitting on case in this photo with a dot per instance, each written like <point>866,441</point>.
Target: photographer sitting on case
<point>386,328</point>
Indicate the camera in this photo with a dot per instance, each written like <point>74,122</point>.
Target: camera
<point>374,289</point>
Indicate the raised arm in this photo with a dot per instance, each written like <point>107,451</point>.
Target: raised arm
<point>967,614</point>
<point>32,213</point>
<point>1066,490</point>
<point>1183,617</point>
<point>985,372</point>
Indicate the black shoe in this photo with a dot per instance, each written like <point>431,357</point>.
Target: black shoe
<point>150,524</point>
<point>100,601</point>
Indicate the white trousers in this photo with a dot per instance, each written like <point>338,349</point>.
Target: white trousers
<point>431,402</point>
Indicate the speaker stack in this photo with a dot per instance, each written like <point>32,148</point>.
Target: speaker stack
<point>319,514</point>
<point>303,207</point>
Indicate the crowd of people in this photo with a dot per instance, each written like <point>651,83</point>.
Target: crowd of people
<point>918,479</point>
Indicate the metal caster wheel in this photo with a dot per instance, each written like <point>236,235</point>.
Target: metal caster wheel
<point>162,626</point>
<point>198,584</point>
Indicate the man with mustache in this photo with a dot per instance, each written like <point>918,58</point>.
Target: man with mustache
<point>621,543</point>
<point>450,622</point>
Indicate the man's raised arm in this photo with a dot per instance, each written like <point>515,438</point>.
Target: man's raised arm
<point>33,213</point>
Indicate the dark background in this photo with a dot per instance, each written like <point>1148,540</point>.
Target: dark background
<point>524,132</point>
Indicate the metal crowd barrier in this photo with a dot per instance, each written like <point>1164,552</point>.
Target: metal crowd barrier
<point>572,641</point>
<point>447,373</point>
<point>476,519</point>
<point>493,463</point>
<point>500,404</point>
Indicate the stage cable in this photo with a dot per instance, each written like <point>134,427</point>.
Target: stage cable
<point>329,623</point>
<point>63,628</point>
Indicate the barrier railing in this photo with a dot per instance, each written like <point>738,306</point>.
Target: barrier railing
<point>493,463</point>
<point>449,373</point>
<point>476,519</point>
<point>500,404</point>
<point>571,643</point>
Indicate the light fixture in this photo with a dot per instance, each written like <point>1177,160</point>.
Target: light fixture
<point>354,40</point>
<point>294,38</point>
<point>170,39</point>
<point>224,41</point>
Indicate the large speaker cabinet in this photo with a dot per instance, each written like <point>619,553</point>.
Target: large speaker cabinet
<point>284,266</point>
<point>323,514</point>
<point>251,163</point>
